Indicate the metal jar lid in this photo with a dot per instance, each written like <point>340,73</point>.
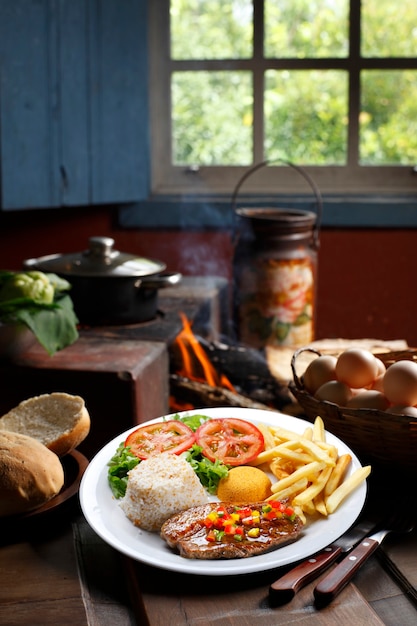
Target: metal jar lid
<point>100,259</point>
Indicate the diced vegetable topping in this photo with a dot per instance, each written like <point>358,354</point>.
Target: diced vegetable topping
<point>243,522</point>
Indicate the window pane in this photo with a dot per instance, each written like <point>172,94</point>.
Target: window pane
<point>211,29</point>
<point>212,118</point>
<point>306,28</point>
<point>388,118</point>
<point>306,116</point>
<point>389,28</point>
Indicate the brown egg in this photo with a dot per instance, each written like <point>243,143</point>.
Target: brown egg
<point>318,372</point>
<point>368,399</point>
<point>400,383</point>
<point>381,366</point>
<point>359,390</point>
<point>356,368</point>
<point>411,411</point>
<point>334,391</point>
<point>378,384</point>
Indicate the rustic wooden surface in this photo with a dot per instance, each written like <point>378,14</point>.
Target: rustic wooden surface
<point>56,570</point>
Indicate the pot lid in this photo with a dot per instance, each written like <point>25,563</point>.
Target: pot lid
<point>100,259</point>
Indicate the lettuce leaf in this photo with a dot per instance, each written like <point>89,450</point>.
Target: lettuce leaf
<point>119,465</point>
<point>193,421</point>
<point>209,472</point>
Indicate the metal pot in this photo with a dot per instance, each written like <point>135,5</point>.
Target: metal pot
<point>108,286</point>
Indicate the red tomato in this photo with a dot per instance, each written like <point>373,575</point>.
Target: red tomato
<point>231,440</point>
<point>171,436</point>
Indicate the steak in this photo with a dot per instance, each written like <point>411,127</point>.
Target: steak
<point>189,532</point>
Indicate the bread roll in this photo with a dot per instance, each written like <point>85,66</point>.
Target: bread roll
<point>30,474</point>
<point>58,420</point>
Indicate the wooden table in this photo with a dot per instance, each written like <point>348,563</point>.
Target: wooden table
<point>56,570</point>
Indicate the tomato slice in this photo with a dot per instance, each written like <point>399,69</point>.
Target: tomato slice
<point>231,440</point>
<point>170,436</point>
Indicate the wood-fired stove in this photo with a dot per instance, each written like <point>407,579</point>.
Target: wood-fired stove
<point>122,372</point>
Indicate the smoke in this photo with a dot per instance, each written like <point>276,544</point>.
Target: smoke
<point>202,257</point>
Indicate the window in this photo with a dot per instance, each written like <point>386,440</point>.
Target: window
<point>330,85</point>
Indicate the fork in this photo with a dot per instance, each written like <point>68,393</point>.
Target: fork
<point>332,584</point>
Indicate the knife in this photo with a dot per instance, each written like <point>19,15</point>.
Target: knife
<point>284,588</point>
<point>333,583</point>
<point>338,578</point>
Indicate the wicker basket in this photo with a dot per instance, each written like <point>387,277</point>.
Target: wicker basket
<point>375,436</point>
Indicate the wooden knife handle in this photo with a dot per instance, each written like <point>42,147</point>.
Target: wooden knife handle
<point>332,584</point>
<point>284,589</point>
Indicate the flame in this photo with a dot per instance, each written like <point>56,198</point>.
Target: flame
<point>195,363</point>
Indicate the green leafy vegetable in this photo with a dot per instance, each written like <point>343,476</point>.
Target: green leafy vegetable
<point>192,421</point>
<point>209,472</point>
<point>39,301</point>
<point>33,285</point>
<point>119,466</point>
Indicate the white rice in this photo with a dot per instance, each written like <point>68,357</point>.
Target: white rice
<point>159,487</point>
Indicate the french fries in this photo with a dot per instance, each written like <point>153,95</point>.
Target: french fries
<point>318,430</point>
<point>309,471</point>
<point>348,485</point>
<point>337,475</point>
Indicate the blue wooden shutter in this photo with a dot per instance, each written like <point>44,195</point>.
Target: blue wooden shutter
<point>73,102</point>
<point>119,100</point>
<point>70,47</point>
<point>27,117</point>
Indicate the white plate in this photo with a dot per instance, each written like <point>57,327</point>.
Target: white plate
<point>105,516</point>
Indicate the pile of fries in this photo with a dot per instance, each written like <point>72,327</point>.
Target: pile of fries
<point>309,471</point>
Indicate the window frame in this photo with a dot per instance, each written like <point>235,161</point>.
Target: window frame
<point>351,181</point>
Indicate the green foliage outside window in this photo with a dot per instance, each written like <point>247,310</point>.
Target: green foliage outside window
<point>305,111</point>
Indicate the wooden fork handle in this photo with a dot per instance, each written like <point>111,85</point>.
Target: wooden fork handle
<point>284,589</point>
<point>332,584</point>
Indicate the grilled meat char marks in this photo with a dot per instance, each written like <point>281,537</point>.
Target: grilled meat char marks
<point>186,532</point>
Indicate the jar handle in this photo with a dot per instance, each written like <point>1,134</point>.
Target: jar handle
<point>307,177</point>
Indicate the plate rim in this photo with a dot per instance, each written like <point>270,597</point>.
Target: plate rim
<point>90,505</point>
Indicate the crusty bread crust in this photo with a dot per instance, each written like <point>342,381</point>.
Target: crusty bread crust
<point>30,474</point>
<point>58,420</point>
